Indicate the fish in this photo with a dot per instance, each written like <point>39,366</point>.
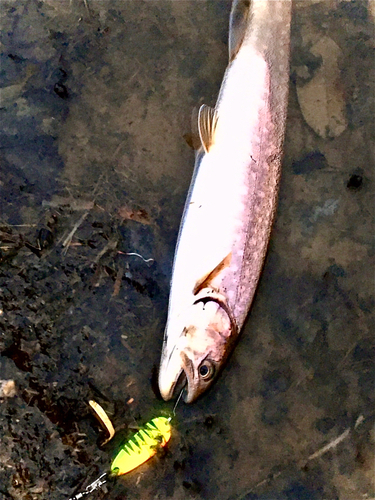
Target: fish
<point>231,203</point>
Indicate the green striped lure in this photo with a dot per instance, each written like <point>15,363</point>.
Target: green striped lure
<point>136,451</point>
<point>142,446</point>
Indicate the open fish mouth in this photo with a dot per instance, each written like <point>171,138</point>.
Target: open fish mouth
<point>172,389</point>
<point>173,378</point>
<point>180,385</point>
<point>182,388</point>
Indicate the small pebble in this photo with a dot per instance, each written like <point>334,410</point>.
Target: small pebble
<point>7,389</point>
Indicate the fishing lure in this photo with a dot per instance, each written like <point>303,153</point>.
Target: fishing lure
<point>136,451</point>
<point>142,446</point>
<point>103,419</point>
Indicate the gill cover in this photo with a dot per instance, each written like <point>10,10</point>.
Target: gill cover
<point>201,349</point>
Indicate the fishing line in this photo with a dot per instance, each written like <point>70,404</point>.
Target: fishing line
<point>178,400</point>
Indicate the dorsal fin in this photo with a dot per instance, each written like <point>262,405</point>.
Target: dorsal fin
<point>238,23</point>
<point>205,281</point>
<point>207,121</point>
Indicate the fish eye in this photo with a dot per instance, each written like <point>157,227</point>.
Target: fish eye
<point>206,370</point>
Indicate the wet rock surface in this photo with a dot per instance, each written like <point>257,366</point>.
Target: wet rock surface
<point>95,101</point>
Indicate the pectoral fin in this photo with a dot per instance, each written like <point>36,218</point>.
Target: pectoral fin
<point>238,23</point>
<point>207,121</point>
<point>205,281</point>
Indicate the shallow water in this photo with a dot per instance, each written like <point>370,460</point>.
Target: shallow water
<point>96,101</point>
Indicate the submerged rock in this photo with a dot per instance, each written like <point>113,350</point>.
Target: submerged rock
<point>321,99</point>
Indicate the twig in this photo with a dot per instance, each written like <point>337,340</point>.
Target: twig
<point>267,480</point>
<point>116,288</point>
<point>18,225</point>
<point>68,239</point>
<point>111,245</point>
<point>330,445</point>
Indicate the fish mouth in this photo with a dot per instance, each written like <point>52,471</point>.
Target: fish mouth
<point>180,385</point>
<point>171,374</point>
<point>170,389</point>
<point>188,370</point>
<point>177,375</point>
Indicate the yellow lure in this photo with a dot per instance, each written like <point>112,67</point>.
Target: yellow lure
<point>142,446</point>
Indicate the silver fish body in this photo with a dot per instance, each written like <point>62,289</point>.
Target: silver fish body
<point>231,203</point>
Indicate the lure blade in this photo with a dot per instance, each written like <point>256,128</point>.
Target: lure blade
<point>103,419</point>
<point>142,446</point>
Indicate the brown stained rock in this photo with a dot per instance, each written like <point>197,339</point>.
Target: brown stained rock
<point>322,99</point>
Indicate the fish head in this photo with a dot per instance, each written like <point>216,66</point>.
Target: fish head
<point>200,351</point>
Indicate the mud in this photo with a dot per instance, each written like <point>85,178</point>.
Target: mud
<point>96,100</point>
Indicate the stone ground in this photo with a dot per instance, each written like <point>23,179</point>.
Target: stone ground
<point>96,99</point>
